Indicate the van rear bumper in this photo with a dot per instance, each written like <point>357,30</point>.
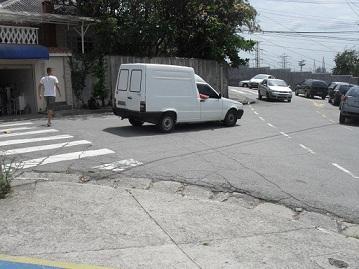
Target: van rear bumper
<point>152,117</point>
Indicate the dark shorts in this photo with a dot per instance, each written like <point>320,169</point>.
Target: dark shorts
<point>50,102</point>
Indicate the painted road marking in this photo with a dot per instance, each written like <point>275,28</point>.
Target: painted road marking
<point>63,157</point>
<point>255,112</point>
<point>16,124</point>
<point>7,262</point>
<point>250,92</point>
<point>262,119</point>
<point>345,170</point>
<point>45,147</point>
<point>332,121</point>
<point>346,127</point>
<point>307,149</point>
<point>119,166</point>
<point>286,135</point>
<point>16,129</point>
<point>271,125</point>
<point>33,140</point>
<point>29,133</point>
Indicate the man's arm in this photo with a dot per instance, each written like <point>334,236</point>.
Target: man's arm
<point>40,90</point>
<point>58,89</point>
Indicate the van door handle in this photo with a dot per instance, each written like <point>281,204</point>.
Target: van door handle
<point>130,98</point>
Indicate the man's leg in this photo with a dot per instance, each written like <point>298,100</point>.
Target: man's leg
<point>49,116</point>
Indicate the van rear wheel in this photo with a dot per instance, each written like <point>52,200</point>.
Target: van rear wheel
<point>135,123</point>
<point>167,123</point>
<point>231,118</point>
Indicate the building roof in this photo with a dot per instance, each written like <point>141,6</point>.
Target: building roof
<point>31,11</point>
<point>34,6</point>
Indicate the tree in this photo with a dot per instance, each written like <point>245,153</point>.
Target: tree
<point>207,29</point>
<point>347,63</point>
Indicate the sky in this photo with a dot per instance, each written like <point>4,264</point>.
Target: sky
<point>338,16</point>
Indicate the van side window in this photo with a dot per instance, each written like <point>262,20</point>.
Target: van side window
<point>123,80</point>
<point>136,81</point>
<point>206,90</point>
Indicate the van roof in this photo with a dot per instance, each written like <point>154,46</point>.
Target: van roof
<point>158,66</point>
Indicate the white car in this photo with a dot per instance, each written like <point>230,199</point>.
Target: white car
<point>255,81</point>
<point>244,83</point>
<point>274,89</point>
<point>166,94</point>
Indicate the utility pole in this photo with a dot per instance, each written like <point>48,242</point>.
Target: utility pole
<point>301,64</point>
<point>284,61</point>
<point>258,56</point>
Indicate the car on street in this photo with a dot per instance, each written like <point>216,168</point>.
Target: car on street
<point>167,94</point>
<point>274,89</point>
<point>244,83</point>
<point>331,88</point>
<point>339,91</point>
<point>255,81</point>
<point>349,107</point>
<point>311,88</point>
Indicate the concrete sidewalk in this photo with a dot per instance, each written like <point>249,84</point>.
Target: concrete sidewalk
<point>137,223</point>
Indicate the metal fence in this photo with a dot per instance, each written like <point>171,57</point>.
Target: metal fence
<point>214,73</point>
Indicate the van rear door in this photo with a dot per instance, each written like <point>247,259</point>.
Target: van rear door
<point>121,88</point>
<point>136,87</point>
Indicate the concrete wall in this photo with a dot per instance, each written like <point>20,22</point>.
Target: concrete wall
<point>292,78</point>
<point>214,73</point>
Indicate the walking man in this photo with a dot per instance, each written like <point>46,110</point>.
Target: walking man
<point>49,84</point>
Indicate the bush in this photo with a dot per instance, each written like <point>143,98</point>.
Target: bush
<point>8,170</point>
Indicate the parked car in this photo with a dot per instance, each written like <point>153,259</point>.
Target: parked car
<point>244,83</point>
<point>331,88</point>
<point>274,89</point>
<point>311,88</point>
<point>349,107</point>
<point>339,91</point>
<point>255,81</point>
<point>166,94</point>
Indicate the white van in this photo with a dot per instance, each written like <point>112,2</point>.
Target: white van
<point>168,94</point>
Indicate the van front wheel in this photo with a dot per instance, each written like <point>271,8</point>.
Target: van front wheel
<point>167,123</point>
<point>136,123</point>
<point>231,118</point>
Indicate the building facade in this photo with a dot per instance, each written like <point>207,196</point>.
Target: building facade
<point>32,38</point>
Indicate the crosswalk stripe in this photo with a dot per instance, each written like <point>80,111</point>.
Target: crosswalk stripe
<point>16,129</point>
<point>45,147</point>
<point>63,157</point>
<point>29,133</point>
<point>33,140</point>
<point>15,124</point>
<point>119,165</point>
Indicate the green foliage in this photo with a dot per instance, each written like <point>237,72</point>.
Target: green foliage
<point>100,90</point>
<point>8,169</point>
<point>189,28</point>
<point>80,65</point>
<point>347,63</point>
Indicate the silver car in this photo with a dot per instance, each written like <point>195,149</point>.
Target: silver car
<point>349,107</point>
<point>274,89</point>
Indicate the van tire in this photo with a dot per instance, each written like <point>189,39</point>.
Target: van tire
<point>135,123</point>
<point>167,123</point>
<point>231,118</point>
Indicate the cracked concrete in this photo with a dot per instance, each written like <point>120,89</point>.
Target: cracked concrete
<point>142,223</point>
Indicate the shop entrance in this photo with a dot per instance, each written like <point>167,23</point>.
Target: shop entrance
<point>17,90</point>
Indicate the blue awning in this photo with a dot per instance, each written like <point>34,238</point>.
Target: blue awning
<point>20,52</point>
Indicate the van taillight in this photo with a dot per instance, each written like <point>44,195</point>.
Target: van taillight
<point>143,106</point>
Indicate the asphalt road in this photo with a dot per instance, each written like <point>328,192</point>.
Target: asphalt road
<point>293,153</point>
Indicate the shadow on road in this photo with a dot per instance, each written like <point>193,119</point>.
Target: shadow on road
<point>152,130</point>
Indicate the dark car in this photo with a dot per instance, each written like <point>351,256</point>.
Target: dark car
<point>331,88</point>
<point>311,88</point>
<point>339,91</point>
<point>349,107</point>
